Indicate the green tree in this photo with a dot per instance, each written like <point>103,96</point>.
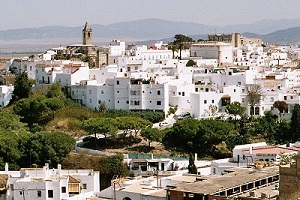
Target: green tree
<point>38,110</point>
<point>180,41</point>
<point>192,169</point>
<point>281,106</point>
<point>283,132</point>
<point>235,109</point>
<point>89,60</point>
<point>104,126</point>
<point>151,134</point>
<point>49,146</point>
<point>191,135</point>
<point>295,123</point>
<point>191,63</point>
<point>54,104</point>
<point>22,86</point>
<point>60,56</point>
<point>55,91</point>
<point>31,57</point>
<point>10,121</point>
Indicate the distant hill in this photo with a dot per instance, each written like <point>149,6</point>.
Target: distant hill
<point>271,31</point>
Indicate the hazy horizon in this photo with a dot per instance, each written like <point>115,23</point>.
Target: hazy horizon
<point>15,14</point>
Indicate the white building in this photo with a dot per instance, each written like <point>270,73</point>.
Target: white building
<point>56,184</point>
<point>5,95</point>
<point>123,93</point>
<point>221,51</point>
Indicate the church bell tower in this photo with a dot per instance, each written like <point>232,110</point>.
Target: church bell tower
<point>87,34</point>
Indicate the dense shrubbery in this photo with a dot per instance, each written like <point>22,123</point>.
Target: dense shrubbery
<point>151,116</point>
<point>23,149</point>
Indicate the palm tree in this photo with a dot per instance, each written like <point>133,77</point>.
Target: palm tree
<point>253,95</point>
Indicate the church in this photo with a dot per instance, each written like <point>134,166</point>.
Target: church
<point>96,53</point>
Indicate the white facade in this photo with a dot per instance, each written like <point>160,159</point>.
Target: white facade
<point>5,95</point>
<point>123,93</point>
<point>223,52</point>
<point>55,184</point>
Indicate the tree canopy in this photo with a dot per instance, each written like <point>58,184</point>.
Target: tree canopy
<point>235,109</point>
<point>22,86</point>
<point>38,110</point>
<point>151,134</point>
<point>295,123</point>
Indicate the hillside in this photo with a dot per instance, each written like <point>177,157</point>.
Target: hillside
<point>147,30</point>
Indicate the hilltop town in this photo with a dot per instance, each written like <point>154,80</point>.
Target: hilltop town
<point>229,103</point>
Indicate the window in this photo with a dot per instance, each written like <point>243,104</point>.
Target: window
<point>50,193</point>
<point>118,101</point>
<point>158,103</point>
<point>127,102</point>
<point>84,186</point>
<point>234,90</point>
<point>39,193</point>
<point>272,99</point>
<point>90,100</point>
<point>183,94</point>
<point>118,91</point>
<point>212,101</point>
<point>179,93</point>
<point>118,82</point>
<point>158,92</point>
<point>243,90</point>
<point>63,189</point>
<point>21,192</point>
<point>285,97</point>
<point>90,91</point>
<point>205,101</point>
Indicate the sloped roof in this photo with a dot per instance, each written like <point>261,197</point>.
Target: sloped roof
<point>72,179</point>
<point>86,26</point>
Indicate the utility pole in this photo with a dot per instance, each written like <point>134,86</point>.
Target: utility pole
<point>157,172</point>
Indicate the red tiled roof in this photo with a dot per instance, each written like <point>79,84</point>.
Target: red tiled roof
<point>269,150</point>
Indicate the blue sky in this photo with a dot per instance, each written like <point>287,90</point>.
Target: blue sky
<point>37,13</point>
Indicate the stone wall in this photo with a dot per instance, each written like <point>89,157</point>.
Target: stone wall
<point>289,181</point>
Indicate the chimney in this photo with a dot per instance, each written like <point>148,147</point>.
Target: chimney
<point>6,167</point>
<point>250,149</point>
<point>58,169</point>
<point>45,171</point>
<point>53,174</point>
<point>196,155</point>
